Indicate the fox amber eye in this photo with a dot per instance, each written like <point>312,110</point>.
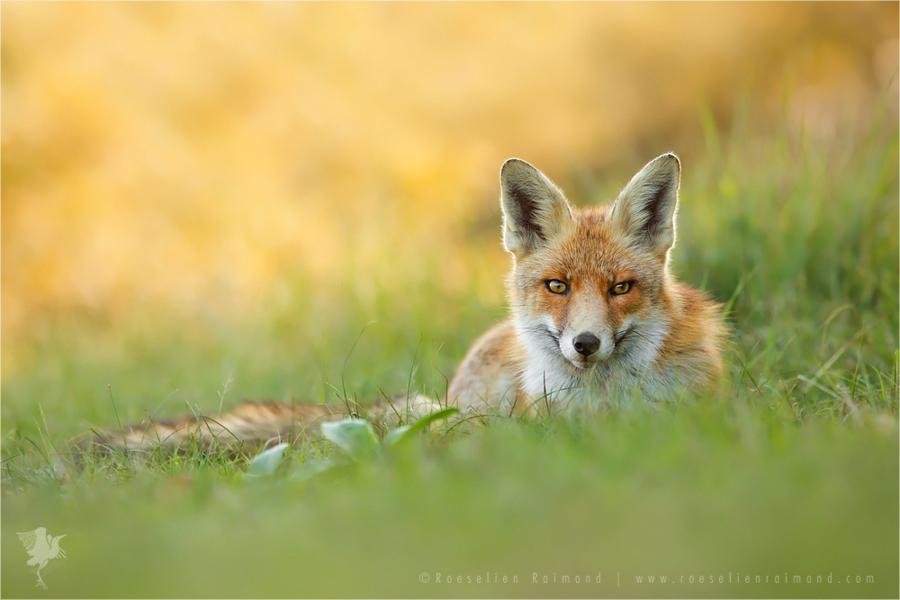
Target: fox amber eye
<point>557,287</point>
<point>621,288</point>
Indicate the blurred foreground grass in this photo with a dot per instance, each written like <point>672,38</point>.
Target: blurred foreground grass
<point>702,491</point>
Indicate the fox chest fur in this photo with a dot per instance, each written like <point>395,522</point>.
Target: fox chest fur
<point>594,309</point>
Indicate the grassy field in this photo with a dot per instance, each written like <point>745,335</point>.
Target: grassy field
<point>789,470</point>
<point>205,204</point>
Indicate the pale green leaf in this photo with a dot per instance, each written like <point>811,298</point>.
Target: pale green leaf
<point>266,462</point>
<point>354,436</point>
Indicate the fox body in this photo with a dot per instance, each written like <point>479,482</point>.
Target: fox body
<point>594,312</point>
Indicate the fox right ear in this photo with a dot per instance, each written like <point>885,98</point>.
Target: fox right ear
<point>534,209</point>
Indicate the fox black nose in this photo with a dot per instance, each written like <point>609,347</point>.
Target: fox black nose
<point>586,344</point>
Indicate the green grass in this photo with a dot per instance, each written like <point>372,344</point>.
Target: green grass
<point>790,469</point>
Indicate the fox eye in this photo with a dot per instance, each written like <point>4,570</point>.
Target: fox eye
<point>621,288</point>
<point>556,286</point>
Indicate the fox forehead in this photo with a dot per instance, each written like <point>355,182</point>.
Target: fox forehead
<point>590,251</point>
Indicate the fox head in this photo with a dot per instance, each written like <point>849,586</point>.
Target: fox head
<point>588,287</point>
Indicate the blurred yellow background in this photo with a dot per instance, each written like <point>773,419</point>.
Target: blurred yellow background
<point>189,156</point>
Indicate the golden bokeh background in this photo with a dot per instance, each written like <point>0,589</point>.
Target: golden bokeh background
<point>185,158</point>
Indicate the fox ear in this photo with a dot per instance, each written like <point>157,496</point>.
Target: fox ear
<point>645,210</point>
<point>534,210</point>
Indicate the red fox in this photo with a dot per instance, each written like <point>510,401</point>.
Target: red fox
<point>595,312</point>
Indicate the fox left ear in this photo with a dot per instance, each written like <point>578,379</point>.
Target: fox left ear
<point>645,210</point>
<point>534,209</point>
